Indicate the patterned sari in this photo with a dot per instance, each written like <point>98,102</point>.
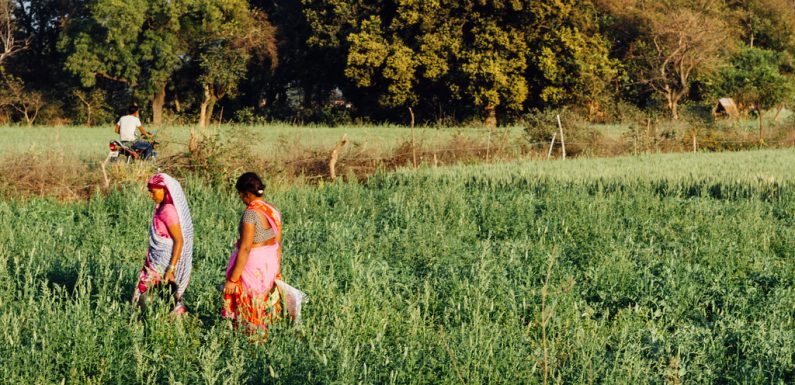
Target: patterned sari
<point>158,257</point>
<point>257,302</point>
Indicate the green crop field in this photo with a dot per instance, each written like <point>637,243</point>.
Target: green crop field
<point>664,269</point>
<point>273,141</point>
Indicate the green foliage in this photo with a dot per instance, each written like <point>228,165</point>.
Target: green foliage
<point>540,125</point>
<point>755,77</point>
<point>92,107</point>
<point>494,65</point>
<point>672,266</point>
<point>573,57</point>
<point>455,61</point>
<point>768,24</point>
<point>223,37</point>
<point>133,42</point>
<point>476,53</point>
<point>222,69</point>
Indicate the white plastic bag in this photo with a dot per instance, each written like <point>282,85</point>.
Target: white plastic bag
<point>293,300</point>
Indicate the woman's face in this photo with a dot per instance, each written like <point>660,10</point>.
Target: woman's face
<point>245,197</point>
<point>158,194</point>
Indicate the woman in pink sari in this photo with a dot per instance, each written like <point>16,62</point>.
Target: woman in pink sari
<point>169,259</point>
<point>250,295</point>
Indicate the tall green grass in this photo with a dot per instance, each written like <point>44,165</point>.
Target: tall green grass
<point>664,269</point>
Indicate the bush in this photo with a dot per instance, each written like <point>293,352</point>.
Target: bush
<point>248,116</point>
<point>624,112</point>
<point>332,115</point>
<point>580,137</point>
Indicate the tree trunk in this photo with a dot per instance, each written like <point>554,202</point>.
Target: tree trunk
<point>158,100</point>
<point>202,114</point>
<point>491,116</point>
<point>177,105</point>
<point>206,107</point>
<point>591,110</point>
<point>209,116</point>
<point>673,104</point>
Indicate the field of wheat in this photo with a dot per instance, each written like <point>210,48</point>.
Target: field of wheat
<point>661,269</point>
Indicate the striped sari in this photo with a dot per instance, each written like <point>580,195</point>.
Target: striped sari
<point>158,257</point>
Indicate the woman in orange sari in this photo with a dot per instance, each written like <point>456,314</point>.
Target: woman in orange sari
<point>250,295</point>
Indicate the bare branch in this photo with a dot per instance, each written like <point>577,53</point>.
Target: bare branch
<point>10,45</point>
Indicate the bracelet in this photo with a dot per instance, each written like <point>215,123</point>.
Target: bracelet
<point>171,268</point>
<point>235,282</point>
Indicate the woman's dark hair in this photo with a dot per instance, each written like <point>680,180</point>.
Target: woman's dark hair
<point>250,182</point>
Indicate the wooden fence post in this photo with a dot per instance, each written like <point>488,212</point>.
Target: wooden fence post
<point>551,144</point>
<point>413,142</point>
<point>562,141</point>
<point>488,146</point>
<point>695,144</point>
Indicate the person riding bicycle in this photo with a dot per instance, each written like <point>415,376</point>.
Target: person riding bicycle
<point>126,127</point>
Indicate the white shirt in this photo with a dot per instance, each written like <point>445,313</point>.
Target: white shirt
<point>127,126</point>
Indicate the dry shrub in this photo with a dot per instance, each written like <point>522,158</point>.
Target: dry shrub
<point>787,139</point>
<point>47,174</point>
<point>313,163</point>
<point>220,155</point>
<point>354,159</point>
<point>136,172</point>
<point>65,178</point>
<point>580,137</point>
<point>782,134</point>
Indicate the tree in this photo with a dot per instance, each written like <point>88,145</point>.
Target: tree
<point>92,103</point>
<point>315,71</point>
<point>224,36</point>
<point>136,43</point>
<point>10,43</point>
<point>571,61</point>
<point>41,65</point>
<point>756,77</point>
<point>488,55</point>
<point>423,45</point>
<point>680,44</point>
<point>16,96</point>
<point>768,24</point>
<point>333,26</point>
<point>495,65</point>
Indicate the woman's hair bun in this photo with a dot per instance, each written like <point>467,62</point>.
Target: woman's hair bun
<point>251,183</point>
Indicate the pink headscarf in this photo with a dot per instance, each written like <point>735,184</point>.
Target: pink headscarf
<point>158,181</point>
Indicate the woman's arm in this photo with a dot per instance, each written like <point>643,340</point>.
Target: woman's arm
<point>246,240</point>
<point>176,235</point>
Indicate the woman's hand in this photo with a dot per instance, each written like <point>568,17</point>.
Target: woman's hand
<point>170,277</point>
<point>230,287</point>
<point>246,239</point>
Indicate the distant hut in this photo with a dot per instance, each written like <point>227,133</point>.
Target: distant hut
<point>726,108</point>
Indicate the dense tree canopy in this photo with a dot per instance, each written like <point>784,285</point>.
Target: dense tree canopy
<point>324,60</point>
